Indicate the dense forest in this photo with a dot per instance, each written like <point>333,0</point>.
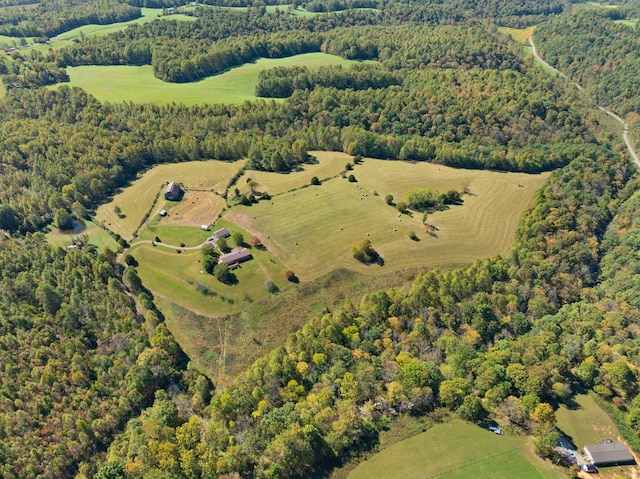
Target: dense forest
<point>94,385</point>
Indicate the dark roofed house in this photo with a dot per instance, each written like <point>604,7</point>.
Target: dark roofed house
<point>172,192</point>
<point>222,233</point>
<point>237,255</point>
<point>609,454</point>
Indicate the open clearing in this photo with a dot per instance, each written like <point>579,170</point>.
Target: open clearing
<point>137,83</point>
<point>587,423</point>
<point>328,164</point>
<point>94,234</point>
<point>223,346</point>
<point>456,450</point>
<point>311,230</point>
<point>176,277</point>
<point>519,34</point>
<point>138,199</point>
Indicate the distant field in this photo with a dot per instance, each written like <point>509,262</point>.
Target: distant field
<point>326,165</point>
<point>137,83</point>
<point>139,198</point>
<point>519,34</point>
<point>312,229</point>
<point>596,5</point>
<point>588,423</point>
<point>629,23</point>
<point>3,90</point>
<point>456,450</point>
<point>96,236</point>
<point>66,38</point>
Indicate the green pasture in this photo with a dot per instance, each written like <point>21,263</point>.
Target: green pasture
<point>145,192</point>
<point>174,276</point>
<point>137,84</point>
<point>3,90</point>
<point>629,23</point>
<point>174,235</point>
<point>311,230</point>
<point>596,5</point>
<point>94,234</point>
<point>66,38</point>
<point>455,450</point>
<point>224,346</point>
<point>326,164</point>
<point>521,35</point>
<point>585,422</point>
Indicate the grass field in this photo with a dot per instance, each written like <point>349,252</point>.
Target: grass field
<point>3,90</point>
<point>629,23</point>
<point>139,198</point>
<point>312,229</point>
<point>175,275</point>
<point>222,347</point>
<point>66,38</point>
<point>456,450</point>
<point>137,83</point>
<point>519,34</point>
<point>587,423</point>
<point>327,164</point>
<point>96,236</point>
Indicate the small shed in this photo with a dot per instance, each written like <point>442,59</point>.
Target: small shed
<point>163,213</point>
<point>204,227</point>
<point>237,255</point>
<point>609,453</point>
<point>222,233</point>
<point>172,192</point>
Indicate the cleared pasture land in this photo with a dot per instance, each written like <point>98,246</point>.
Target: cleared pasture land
<point>456,450</point>
<point>327,165</point>
<point>178,277</point>
<point>139,198</point>
<point>137,84</point>
<point>66,38</point>
<point>587,423</point>
<point>518,34</point>
<point>94,234</point>
<point>312,229</point>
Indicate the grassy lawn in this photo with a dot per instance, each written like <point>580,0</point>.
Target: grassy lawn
<point>137,83</point>
<point>96,236</point>
<point>587,423</point>
<point>139,198</point>
<point>312,229</point>
<point>327,164</point>
<point>174,275</point>
<point>519,34</point>
<point>456,450</point>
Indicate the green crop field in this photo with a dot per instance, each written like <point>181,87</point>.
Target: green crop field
<point>94,234</point>
<point>311,230</point>
<point>137,83</point>
<point>138,199</point>
<point>456,450</point>
<point>327,164</point>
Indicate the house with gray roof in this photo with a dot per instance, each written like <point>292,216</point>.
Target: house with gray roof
<point>236,256</point>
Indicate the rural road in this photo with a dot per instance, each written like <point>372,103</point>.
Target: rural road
<point>625,127</point>
<point>157,243</point>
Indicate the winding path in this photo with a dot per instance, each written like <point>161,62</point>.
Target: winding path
<point>625,126</point>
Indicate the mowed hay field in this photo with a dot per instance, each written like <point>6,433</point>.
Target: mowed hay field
<point>327,165</point>
<point>457,450</point>
<point>312,229</point>
<point>94,234</point>
<point>137,83</point>
<point>139,198</point>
